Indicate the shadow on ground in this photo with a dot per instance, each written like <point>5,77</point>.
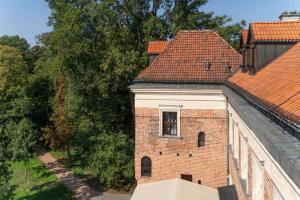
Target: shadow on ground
<point>49,191</point>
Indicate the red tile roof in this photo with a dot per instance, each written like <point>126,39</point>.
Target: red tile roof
<point>277,85</point>
<point>185,57</point>
<point>276,31</point>
<point>244,36</point>
<point>157,47</point>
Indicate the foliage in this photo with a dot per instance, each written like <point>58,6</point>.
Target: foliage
<point>6,188</point>
<point>15,41</point>
<point>99,47</point>
<point>113,148</point>
<point>24,140</point>
<point>43,185</point>
<point>39,92</point>
<point>12,68</point>
<point>73,88</point>
<point>30,55</point>
<point>59,133</point>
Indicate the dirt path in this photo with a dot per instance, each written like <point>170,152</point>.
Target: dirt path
<point>80,189</point>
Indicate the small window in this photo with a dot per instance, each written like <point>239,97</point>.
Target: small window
<point>146,166</point>
<point>187,177</point>
<point>201,139</point>
<point>169,123</point>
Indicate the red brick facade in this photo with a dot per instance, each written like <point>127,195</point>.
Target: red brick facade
<point>172,157</point>
<point>268,187</point>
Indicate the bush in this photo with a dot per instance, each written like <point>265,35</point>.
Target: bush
<point>112,160</point>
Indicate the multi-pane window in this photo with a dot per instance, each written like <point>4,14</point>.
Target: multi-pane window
<point>146,166</point>
<point>169,123</point>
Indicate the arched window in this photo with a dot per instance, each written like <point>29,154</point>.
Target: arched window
<point>146,166</point>
<point>201,139</point>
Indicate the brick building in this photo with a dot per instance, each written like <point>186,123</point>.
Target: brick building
<point>202,116</point>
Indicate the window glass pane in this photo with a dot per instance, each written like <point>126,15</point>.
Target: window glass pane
<point>166,126</point>
<point>146,166</point>
<point>169,123</point>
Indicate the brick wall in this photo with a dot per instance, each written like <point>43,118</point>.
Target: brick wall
<point>268,187</point>
<point>172,157</point>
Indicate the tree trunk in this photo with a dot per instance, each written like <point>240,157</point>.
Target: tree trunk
<point>28,173</point>
<point>26,163</point>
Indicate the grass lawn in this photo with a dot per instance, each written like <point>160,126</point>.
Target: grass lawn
<point>43,184</point>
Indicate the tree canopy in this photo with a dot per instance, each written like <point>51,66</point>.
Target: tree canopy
<point>72,90</point>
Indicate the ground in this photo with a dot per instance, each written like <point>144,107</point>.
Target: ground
<point>81,182</point>
<point>51,183</point>
<point>43,184</point>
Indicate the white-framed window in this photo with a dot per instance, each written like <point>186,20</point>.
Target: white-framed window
<point>244,163</point>
<point>231,132</point>
<point>169,121</point>
<point>257,179</point>
<point>236,144</point>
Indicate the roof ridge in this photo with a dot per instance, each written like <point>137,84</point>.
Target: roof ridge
<point>159,41</point>
<point>196,30</point>
<point>277,22</point>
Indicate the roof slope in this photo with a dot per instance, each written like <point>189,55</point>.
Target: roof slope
<point>277,85</point>
<point>288,31</point>
<point>157,47</point>
<point>185,57</point>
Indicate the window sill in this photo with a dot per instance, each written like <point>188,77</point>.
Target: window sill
<point>170,137</point>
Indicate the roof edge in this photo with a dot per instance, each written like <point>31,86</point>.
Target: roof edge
<point>290,126</point>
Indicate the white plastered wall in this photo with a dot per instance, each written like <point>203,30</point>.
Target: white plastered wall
<point>284,184</point>
<point>187,99</point>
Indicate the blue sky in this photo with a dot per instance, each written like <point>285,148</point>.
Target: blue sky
<point>28,18</point>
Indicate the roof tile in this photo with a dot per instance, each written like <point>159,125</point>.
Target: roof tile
<point>277,85</point>
<point>185,57</point>
<point>157,47</point>
<point>276,31</point>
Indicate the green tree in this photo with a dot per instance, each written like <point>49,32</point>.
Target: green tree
<point>15,41</point>
<point>59,134</point>
<point>6,188</point>
<point>99,47</point>
<point>30,55</point>
<point>112,159</point>
<point>12,67</point>
<point>39,92</point>
<point>24,140</point>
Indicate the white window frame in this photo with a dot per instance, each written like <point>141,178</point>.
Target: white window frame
<point>244,159</point>
<point>257,178</point>
<point>169,108</point>
<point>236,144</point>
<point>231,132</point>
